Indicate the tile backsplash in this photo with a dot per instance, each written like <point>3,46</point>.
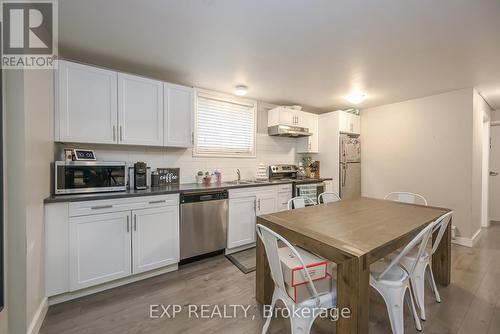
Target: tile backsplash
<point>270,150</point>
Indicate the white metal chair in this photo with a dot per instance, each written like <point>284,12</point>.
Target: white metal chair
<point>328,197</point>
<point>306,312</point>
<point>406,197</point>
<point>299,202</point>
<point>423,266</point>
<point>393,282</point>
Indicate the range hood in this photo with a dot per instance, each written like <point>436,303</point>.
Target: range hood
<point>288,131</point>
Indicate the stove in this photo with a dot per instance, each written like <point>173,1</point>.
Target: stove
<point>310,188</point>
<point>283,172</point>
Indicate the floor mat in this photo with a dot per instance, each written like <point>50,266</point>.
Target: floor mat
<point>244,260</point>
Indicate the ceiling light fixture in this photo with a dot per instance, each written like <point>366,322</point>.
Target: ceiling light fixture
<point>356,98</point>
<point>240,90</point>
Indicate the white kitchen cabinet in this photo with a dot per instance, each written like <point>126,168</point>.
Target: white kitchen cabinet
<point>242,217</point>
<point>178,111</point>
<point>349,123</point>
<point>155,238</point>
<point>86,104</point>
<point>284,195</point>
<point>99,249</point>
<point>309,144</point>
<point>140,110</point>
<point>267,202</point>
<point>286,116</point>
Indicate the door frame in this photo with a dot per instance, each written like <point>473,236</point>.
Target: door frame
<point>485,173</point>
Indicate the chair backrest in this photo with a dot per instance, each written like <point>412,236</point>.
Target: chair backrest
<point>299,202</point>
<point>270,240</point>
<point>421,240</point>
<point>440,225</point>
<point>406,197</point>
<point>328,197</point>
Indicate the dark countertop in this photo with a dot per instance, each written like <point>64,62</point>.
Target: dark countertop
<point>172,189</point>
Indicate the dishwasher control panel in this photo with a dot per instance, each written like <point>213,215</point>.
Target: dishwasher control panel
<point>204,196</point>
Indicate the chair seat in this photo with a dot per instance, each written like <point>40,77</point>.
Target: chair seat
<point>395,276</point>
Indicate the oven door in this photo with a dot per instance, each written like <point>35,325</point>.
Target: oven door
<point>89,176</point>
<point>310,190</point>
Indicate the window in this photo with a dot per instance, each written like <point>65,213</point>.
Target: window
<point>225,126</point>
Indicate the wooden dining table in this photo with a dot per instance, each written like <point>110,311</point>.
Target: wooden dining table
<point>354,234</point>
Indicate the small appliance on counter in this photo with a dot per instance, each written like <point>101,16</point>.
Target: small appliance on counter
<point>79,154</point>
<point>74,177</point>
<point>140,176</point>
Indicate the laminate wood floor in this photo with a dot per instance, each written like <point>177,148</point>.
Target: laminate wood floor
<point>471,304</point>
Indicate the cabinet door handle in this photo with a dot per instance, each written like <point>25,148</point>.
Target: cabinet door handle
<point>101,207</point>
<point>114,133</point>
<point>259,204</point>
<point>121,133</point>
<point>156,202</point>
<point>135,222</point>
<point>128,224</point>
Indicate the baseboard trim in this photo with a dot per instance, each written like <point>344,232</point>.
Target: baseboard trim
<point>467,242</point>
<point>37,321</point>
<point>110,285</point>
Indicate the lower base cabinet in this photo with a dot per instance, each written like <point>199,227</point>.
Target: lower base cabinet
<point>155,238</point>
<point>244,207</point>
<point>89,243</point>
<point>100,249</point>
<point>242,216</point>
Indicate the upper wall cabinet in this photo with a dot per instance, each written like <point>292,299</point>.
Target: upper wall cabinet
<point>87,99</point>
<point>349,123</point>
<point>286,116</point>
<point>140,110</point>
<point>309,144</point>
<point>95,105</point>
<point>178,111</point>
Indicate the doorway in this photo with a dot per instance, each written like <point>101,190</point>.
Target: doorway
<point>494,177</point>
<point>485,173</point>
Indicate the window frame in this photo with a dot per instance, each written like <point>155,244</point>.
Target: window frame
<point>225,98</point>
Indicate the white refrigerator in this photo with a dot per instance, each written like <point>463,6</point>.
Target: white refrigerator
<point>350,166</point>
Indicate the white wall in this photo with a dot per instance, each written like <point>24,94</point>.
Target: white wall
<point>428,146</point>
<point>270,150</point>
<point>495,116</point>
<point>39,146</point>
<point>480,161</point>
<point>29,151</point>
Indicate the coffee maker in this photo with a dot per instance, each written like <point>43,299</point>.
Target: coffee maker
<point>140,176</point>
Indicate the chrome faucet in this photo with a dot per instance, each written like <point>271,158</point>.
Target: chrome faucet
<point>239,174</point>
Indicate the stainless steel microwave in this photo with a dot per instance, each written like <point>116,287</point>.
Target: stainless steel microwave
<point>73,177</point>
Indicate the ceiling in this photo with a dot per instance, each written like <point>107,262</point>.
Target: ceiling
<point>308,52</point>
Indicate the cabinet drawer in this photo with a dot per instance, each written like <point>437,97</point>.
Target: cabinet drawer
<point>122,204</point>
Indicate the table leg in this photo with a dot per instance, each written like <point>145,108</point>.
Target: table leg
<point>441,259</point>
<point>264,285</point>
<point>353,284</point>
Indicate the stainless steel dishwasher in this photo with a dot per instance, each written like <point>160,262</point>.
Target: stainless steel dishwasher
<point>203,222</point>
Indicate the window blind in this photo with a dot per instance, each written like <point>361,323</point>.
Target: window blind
<point>225,126</point>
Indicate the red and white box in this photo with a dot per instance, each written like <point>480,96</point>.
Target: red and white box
<point>293,272</point>
<point>303,291</point>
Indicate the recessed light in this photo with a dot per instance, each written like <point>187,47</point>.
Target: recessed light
<point>240,90</point>
<point>356,98</point>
